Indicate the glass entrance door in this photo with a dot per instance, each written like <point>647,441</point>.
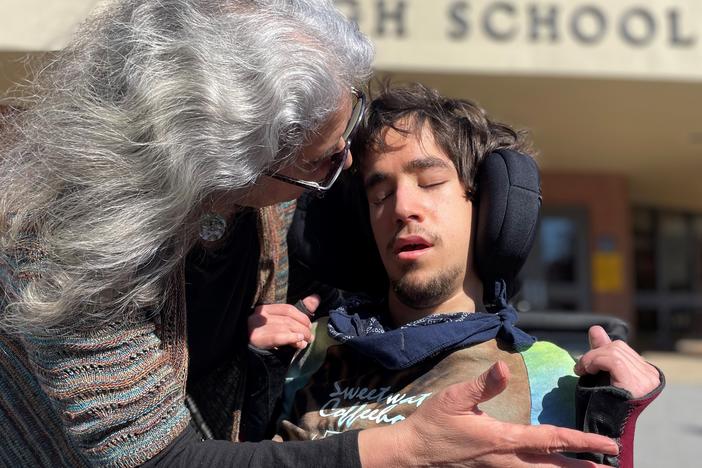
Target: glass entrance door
<point>556,273</point>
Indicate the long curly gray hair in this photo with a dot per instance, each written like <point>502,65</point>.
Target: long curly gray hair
<point>153,107</point>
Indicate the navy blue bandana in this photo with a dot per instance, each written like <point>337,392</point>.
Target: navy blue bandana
<point>364,326</point>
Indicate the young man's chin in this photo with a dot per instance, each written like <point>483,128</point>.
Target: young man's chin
<point>419,297</point>
<point>419,290</point>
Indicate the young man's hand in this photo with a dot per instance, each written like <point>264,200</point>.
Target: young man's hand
<point>450,430</point>
<point>627,369</point>
<point>274,325</point>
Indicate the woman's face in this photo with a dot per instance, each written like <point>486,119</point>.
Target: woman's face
<point>269,191</point>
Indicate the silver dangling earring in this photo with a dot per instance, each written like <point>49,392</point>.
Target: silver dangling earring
<point>212,227</point>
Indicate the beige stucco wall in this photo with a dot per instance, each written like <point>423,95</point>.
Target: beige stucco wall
<point>39,25</point>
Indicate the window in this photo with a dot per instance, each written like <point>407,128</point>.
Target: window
<point>668,271</point>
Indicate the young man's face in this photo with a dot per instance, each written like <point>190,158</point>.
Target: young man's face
<point>421,218</point>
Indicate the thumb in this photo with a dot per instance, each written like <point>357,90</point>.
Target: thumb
<point>489,384</point>
<point>598,337</point>
<point>311,303</point>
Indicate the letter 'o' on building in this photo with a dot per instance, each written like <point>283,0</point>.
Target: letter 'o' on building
<point>588,25</point>
<point>638,27</point>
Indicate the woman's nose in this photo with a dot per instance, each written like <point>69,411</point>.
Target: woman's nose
<point>349,160</point>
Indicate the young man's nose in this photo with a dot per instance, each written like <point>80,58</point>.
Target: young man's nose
<point>349,160</point>
<point>407,206</point>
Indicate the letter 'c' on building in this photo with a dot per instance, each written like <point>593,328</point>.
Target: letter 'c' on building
<point>490,20</point>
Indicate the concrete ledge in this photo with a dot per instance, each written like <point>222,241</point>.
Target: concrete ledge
<point>678,368</point>
<point>689,346</point>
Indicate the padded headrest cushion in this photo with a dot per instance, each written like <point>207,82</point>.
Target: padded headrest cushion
<point>509,201</point>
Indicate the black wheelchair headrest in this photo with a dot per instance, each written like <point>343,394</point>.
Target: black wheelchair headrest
<point>331,241</point>
<point>508,202</point>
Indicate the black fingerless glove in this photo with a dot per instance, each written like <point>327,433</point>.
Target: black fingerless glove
<point>610,411</point>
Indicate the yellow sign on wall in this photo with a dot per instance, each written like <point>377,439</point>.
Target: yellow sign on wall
<point>607,272</point>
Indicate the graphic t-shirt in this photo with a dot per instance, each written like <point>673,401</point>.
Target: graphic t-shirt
<point>332,387</point>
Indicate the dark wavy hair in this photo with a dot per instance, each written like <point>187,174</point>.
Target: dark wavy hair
<point>460,127</point>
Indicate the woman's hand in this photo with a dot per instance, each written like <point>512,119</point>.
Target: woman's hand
<point>450,430</point>
<point>274,325</point>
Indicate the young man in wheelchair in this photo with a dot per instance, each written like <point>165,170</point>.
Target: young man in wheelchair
<point>452,201</point>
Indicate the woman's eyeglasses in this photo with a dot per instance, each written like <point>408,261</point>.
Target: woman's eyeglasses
<point>336,161</point>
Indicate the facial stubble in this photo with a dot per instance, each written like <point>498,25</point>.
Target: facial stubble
<point>419,294</point>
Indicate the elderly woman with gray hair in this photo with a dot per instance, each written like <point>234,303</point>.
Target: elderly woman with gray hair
<point>145,186</point>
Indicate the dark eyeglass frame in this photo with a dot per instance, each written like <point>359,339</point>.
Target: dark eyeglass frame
<point>338,159</point>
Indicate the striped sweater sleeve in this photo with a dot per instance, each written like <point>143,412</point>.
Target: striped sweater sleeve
<point>115,391</point>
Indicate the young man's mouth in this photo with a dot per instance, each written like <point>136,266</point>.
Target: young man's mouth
<point>411,247</point>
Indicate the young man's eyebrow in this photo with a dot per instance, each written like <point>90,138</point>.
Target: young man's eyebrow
<point>426,163</point>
